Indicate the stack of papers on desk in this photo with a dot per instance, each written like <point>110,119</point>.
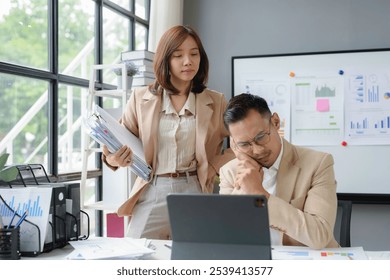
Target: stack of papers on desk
<point>109,248</point>
<point>305,253</point>
<point>106,130</point>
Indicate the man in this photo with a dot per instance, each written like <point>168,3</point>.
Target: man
<point>299,183</point>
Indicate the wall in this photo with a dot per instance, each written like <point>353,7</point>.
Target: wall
<point>255,27</point>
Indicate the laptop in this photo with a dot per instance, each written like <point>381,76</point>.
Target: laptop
<point>219,227</point>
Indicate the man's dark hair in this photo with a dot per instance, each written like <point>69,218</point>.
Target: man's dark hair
<point>239,106</point>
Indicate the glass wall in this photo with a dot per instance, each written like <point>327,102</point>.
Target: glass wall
<point>24,125</point>
<point>24,33</point>
<point>76,23</point>
<point>47,48</point>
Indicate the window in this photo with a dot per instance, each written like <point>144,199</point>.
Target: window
<point>24,119</point>
<point>47,48</point>
<point>24,30</point>
<point>116,34</point>
<point>71,103</point>
<point>76,23</point>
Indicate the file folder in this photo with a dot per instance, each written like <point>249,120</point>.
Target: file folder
<point>106,130</point>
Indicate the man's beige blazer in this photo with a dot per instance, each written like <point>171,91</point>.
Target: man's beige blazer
<point>305,204</point>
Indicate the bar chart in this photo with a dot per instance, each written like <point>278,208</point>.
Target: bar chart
<point>32,206</point>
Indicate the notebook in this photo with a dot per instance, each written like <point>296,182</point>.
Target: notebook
<point>222,227</point>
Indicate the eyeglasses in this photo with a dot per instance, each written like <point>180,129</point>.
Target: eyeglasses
<point>260,139</point>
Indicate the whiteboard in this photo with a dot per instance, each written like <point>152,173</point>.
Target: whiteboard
<point>359,101</point>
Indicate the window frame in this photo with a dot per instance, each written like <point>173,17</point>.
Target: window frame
<point>55,78</point>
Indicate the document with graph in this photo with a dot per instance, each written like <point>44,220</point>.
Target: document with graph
<point>106,130</point>
<point>35,201</point>
<point>305,253</point>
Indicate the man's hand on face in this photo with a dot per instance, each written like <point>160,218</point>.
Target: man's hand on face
<point>249,176</point>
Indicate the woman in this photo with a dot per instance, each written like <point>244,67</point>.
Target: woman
<point>180,124</point>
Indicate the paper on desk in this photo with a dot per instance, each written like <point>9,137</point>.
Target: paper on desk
<point>378,255</point>
<point>305,253</point>
<point>109,248</point>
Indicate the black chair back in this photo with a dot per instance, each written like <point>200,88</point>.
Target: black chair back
<point>342,228</point>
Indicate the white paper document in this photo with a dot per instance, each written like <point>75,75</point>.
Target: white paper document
<point>36,202</point>
<point>378,255</point>
<point>305,253</point>
<point>109,248</point>
<point>106,130</point>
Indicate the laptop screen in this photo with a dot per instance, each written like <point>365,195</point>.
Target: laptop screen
<point>213,226</point>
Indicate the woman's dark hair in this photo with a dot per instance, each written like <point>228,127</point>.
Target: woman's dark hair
<point>169,42</point>
<point>239,106</point>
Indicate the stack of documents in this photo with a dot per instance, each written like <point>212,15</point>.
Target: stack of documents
<point>109,248</point>
<point>106,130</point>
<point>143,59</point>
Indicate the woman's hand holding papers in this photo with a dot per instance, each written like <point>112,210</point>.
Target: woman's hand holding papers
<point>121,158</point>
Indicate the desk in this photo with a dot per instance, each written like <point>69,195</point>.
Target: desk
<point>162,252</point>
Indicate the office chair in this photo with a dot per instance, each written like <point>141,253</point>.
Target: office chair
<point>342,228</point>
